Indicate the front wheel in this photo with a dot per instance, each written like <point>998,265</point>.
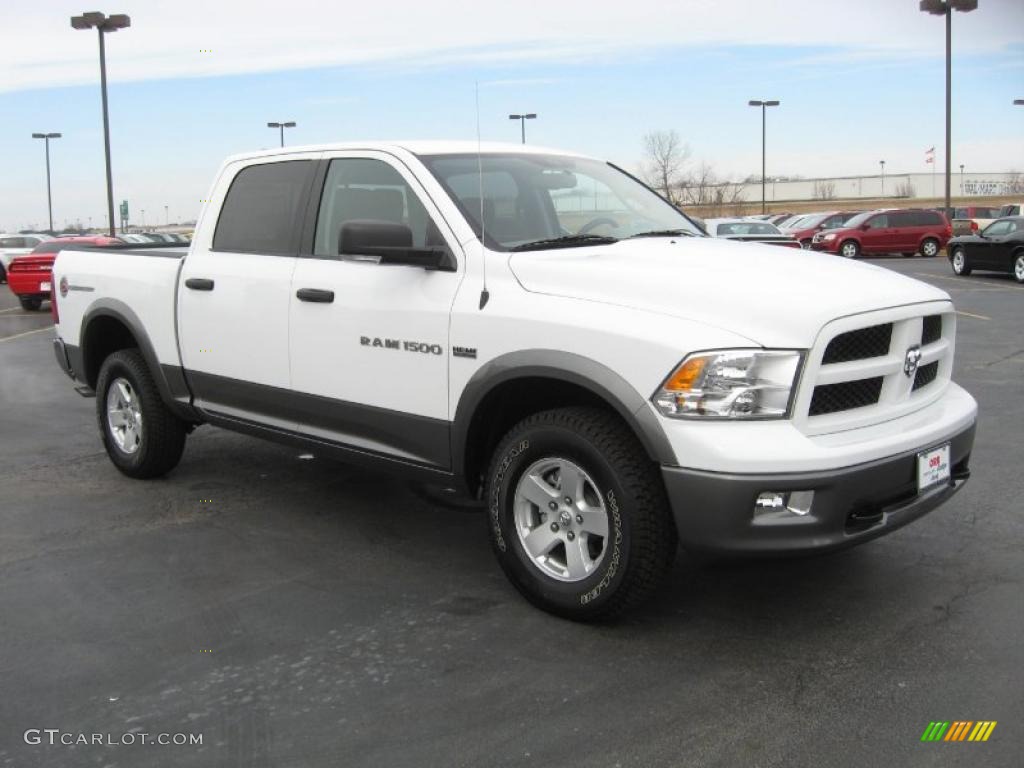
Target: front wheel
<point>30,303</point>
<point>850,249</point>
<point>960,265</point>
<point>578,515</point>
<point>930,247</point>
<point>141,436</point>
<point>1018,267</point>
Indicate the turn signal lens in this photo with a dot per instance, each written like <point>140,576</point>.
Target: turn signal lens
<point>687,373</point>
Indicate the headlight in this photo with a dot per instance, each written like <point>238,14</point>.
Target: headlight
<point>829,236</point>
<point>731,384</point>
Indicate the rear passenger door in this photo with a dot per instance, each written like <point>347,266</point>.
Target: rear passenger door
<point>369,341</point>
<point>235,286</point>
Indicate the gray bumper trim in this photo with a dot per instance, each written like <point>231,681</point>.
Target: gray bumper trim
<point>714,511</point>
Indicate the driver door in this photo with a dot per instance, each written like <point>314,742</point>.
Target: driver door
<point>369,341</point>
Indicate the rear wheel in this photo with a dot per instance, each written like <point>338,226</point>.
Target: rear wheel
<point>805,244</point>
<point>30,303</point>
<point>959,262</point>
<point>1018,267</point>
<point>850,249</point>
<point>578,515</point>
<point>141,436</point>
<point>930,247</point>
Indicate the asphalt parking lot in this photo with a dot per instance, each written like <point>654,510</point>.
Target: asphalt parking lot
<point>297,612</point>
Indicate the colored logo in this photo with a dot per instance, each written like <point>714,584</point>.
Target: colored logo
<point>959,730</point>
<point>64,286</point>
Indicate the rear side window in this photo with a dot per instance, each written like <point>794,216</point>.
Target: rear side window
<point>262,211</point>
<point>13,242</point>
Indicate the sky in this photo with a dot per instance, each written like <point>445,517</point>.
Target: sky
<point>192,82</point>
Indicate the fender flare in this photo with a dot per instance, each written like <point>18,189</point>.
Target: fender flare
<point>170,379</point>
<point>569,367</point>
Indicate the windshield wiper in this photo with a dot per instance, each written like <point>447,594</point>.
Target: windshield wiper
<point>664,233</point>
<point>565,241</point>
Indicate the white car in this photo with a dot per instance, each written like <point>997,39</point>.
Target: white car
<point>541,331</point>
<point>17,245</point>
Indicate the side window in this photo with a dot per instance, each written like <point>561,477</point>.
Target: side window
<point>881,221</point>
<point>360,189</point>
<point>261,212</point>
<point>998,228</point>
<point>931,219</point>
<point>13,242</point>
<point>904,219</point>
<point>960,213</point>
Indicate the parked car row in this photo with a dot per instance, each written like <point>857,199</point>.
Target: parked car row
<point>29,275</point>
<point>751,231</point>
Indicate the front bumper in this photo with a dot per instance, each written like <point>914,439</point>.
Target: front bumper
<point>715,511</point>
<point>830,246</point>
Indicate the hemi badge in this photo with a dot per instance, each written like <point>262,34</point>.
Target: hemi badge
<point>464,352</point>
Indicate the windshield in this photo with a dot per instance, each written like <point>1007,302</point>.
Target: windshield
<point>806,222</point>
<point>529,198</point>
<point>859,219</point>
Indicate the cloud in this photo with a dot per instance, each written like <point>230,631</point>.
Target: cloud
<point>189,38</point>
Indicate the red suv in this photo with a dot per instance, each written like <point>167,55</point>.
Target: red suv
<point>906,230</point>
<point>29,276</point>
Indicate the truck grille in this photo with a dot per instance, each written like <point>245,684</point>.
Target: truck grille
<point>931,330</point>
<point>865,374</point>
<point>859,345</point>
<point>831,398</point>
<point>925,375</point>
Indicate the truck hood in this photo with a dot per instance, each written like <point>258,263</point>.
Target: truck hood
<point>773,296</point>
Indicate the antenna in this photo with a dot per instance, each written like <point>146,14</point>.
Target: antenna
<point>484,294</point>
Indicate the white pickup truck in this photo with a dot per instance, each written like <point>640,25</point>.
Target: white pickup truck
<point>542,331</point>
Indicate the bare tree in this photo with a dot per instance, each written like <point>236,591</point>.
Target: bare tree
<point>905,189</point>
<point>824,190</point>
<point>665,157</point>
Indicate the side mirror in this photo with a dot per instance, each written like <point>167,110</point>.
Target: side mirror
<point>865,226</point>
<point>389,243</point>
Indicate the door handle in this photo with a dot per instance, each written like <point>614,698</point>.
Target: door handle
<point>316,295</point>
<point>199,284</point>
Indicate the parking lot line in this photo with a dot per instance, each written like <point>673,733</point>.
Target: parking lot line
<point>968,285</point>
<point>11,309</point>
<point>971,314</point>
<point>26,333</point>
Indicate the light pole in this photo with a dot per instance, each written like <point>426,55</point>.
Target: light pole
<point>882,163</point>
<point>763,105</point>
<point>961,179</point>
<point>49,199</point>
<point>167,217</point>
<point>281,126</point>
<point>104,24</point>
<point>522,122</point>
<point>946,8</point>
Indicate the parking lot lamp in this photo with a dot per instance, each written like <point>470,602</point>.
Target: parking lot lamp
<point>763,105</point>
<point>281,126</point>
<point>946,8</point>
<point>882,163</point>
<point>49,200</point>
<point>104,24</point>
<point>1019,102</point>
<point>522,122</point>
<point>961,179</point>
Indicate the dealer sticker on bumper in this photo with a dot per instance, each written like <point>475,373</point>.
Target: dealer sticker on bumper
<point>44,287</point>
<point>932,467</point>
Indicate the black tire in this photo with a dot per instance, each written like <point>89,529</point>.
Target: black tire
<point>929,247</point>
<point>849,249</point>
<point>961,266</point>
<point>641,538</point>
<point>806,244</point>
<point>30,303</point>
<point>162,438</point>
